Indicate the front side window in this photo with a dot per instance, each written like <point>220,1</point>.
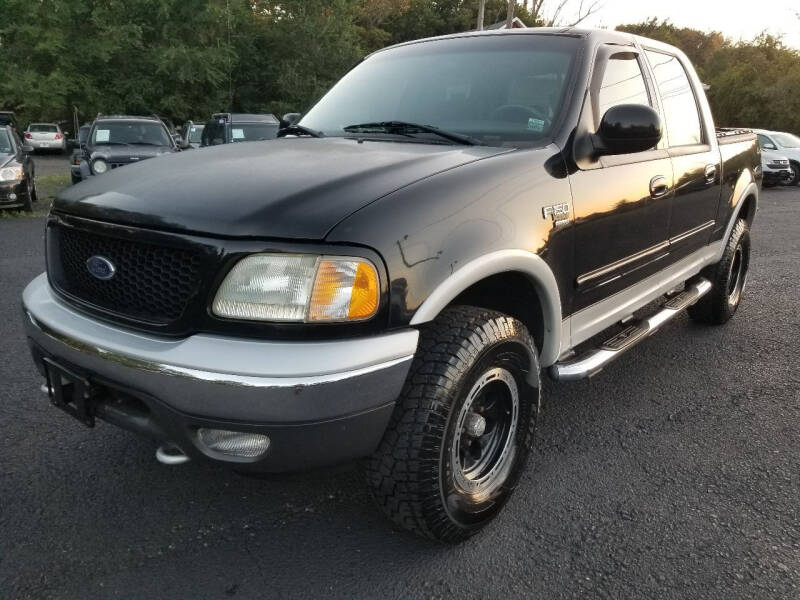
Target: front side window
<point>623,83</point>
<point>765,142</point>
<point>133,133</point>
<point>680,107</point>
<point>499,90</point>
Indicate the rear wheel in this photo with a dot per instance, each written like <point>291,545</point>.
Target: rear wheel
<point>463,426</point>
<point>729,279</point>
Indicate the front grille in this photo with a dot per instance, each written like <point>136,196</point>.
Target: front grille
<point>152,283</point>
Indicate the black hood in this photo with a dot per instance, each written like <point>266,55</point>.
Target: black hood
<point>286,188</point>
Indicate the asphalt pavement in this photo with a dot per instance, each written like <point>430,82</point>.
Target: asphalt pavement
<point>675,473</point>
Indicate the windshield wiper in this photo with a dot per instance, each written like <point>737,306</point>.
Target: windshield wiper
<point>404,128</point>
<point>146,144</point>
<point>299,130</point>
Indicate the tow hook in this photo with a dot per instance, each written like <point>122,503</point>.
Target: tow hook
<point>170,454</point>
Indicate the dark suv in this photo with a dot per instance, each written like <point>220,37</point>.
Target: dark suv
<point>226,128</point>
<point>116,141</point>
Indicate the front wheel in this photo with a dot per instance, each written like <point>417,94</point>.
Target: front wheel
<point>463,426</point>
<point>795,168</point>
<point>728,278</point>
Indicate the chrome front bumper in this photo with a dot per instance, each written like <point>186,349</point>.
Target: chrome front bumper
<point>211,377</point>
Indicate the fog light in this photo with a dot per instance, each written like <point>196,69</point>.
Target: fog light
<point>234,443</point>
<point>12,196</point>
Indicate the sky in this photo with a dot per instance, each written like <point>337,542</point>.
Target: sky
<point>736,19</point>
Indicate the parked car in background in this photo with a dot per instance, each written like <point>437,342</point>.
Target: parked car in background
<point>787,144</point>
<point>776,168</point>
<point>191,135</point>
<point>394,279</point>
<point>227,128</point>
<point>46,136</point>
<point>17,182</point>
<point>77,151</point>
<point>116,141</point>
<point>7,118</point>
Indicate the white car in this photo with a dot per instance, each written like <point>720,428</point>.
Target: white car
<point>775,167</point>
<point>787,145</point>
<point>46,136</point>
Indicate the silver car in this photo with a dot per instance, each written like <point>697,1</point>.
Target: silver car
<point>46,136</point>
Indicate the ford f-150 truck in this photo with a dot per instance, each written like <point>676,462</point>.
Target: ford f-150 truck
<point>392,277</point>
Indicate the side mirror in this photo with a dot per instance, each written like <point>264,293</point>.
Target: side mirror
<point>289,119</point>
<point>628,128</point>
<point>27,148</point>
<point>768,146</point>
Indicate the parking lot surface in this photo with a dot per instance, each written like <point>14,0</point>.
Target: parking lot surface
<point>51,164</point>
<point>674,473</point>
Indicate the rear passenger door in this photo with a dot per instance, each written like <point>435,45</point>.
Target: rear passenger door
<point>694,153</point>
<point>621,203</point>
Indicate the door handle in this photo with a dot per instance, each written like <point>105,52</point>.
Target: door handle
<point>711,173</point>
<point>658,186</point>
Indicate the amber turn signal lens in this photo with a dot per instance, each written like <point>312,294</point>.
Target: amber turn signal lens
<point>364,297</point>
<point>344,290</point>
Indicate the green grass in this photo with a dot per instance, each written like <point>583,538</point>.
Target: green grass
<point>47,186</point>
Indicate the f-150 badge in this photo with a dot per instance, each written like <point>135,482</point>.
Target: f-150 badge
<point>559,213</point>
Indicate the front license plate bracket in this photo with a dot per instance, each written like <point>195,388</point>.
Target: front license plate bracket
<point>70,392</point>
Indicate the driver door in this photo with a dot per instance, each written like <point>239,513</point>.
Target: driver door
<point>622,203</point>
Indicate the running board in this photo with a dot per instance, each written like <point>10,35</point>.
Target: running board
<point>592,362</point>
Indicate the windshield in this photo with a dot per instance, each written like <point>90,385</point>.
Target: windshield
<point>195,134</point>
<point>251,132</point>
<point>42,128</point>
<point>503,90</point>
<point>787,140</point>
<point>130,132</point>
<point>5,143</point>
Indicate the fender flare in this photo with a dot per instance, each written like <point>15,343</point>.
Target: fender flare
<point>751,189</point>
<point>494,263</point>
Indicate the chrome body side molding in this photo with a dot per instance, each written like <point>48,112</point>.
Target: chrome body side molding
<point>599,316</point>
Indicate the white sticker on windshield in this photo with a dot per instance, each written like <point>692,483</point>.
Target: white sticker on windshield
<point>535,124</point>
<point>238,134</point>
<point>101,135</point>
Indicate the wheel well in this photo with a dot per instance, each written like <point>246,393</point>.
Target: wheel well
<point>748,211</point>
<point>511,293</point>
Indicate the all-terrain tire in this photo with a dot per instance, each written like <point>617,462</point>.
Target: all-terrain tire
<point>728,278</point>
<point>468,387</point>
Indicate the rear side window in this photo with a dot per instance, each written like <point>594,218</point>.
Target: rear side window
<point>677,96</point>
<point>623,83</point>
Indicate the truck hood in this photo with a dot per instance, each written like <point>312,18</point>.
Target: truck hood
<point>297,188</point>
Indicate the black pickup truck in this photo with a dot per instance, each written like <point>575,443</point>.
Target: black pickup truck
<point>393,276</point>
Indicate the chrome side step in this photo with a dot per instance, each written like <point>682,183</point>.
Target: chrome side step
<point>593,361</point>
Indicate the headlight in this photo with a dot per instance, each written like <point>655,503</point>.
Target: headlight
<point>99,166</point>
<point>11,174</point>
<point>299,288</point>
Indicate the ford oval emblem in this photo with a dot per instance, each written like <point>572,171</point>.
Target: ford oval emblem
<point>101,268</point>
